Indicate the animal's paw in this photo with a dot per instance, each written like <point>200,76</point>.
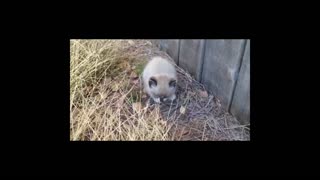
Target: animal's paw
<point>157,100</point>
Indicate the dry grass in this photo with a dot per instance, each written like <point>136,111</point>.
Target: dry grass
<point>107,102</point>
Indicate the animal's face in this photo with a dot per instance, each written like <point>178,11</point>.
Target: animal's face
<point>162,87</point>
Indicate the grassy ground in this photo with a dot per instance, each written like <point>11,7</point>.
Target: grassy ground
<point>107,103</point>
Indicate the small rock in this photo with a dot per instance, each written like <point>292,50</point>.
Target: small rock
<point>203,93</point>
<point>182,110</point>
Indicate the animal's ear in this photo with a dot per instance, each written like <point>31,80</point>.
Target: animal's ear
<point>173,83</point>
<point>152,82</point>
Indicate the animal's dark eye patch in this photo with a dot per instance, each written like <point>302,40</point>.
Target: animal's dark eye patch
<point>152,82</point>
<point>173,83</point>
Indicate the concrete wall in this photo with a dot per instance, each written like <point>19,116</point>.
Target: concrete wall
<point>223,66</point>
<point>241,99</point>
